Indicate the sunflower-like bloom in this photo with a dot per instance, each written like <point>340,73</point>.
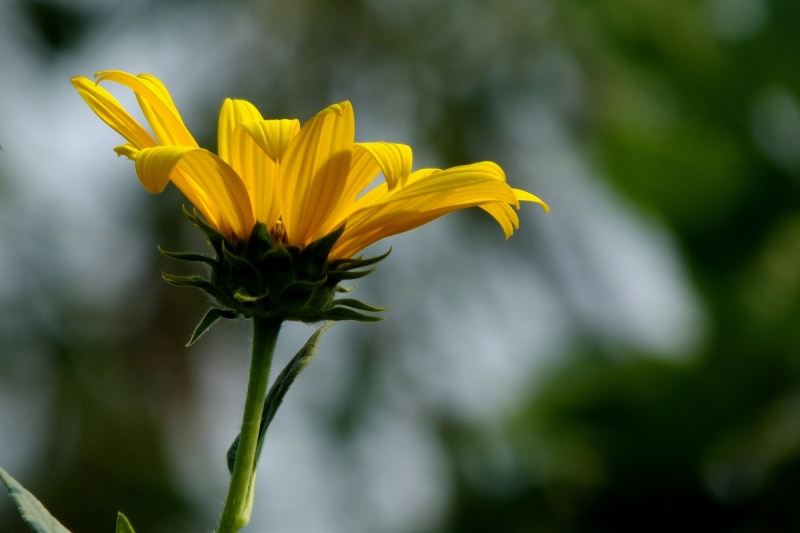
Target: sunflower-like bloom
<point>301,182</point>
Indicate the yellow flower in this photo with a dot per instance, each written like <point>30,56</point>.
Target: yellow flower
<point>301,182</point>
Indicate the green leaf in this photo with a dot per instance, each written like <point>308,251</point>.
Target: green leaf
<point>123,524</point>
<point>209,320</point>
<point>32,511</point>
<point>230,457</point>
<point>278,391</point>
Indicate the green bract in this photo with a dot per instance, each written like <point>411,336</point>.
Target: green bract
<point>262,278</point>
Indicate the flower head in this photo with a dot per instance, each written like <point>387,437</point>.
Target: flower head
<point>302,183</point>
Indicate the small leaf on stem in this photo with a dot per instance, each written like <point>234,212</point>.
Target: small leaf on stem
<point>32,511</point>
<point>209,320</point>
<point>123,524</point>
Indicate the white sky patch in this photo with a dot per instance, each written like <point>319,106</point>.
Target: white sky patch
<point>621,272</point>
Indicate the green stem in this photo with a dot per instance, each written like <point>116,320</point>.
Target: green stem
<point>236,513</point>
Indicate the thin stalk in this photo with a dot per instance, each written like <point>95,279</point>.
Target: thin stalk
<point>238,504</point>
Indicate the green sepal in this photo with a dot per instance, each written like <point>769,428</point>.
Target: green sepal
<point>30,509</point>
<point>190,281</point>
<point>304,288</point>
<point>314,257</point>
<point>245,297</point>
<point>189,256</point>
<point>259,244</point>
<point>343,275</point>
<point>338,314</point>
<point>262,277</point>
<point>345,290</point>
<point>357,262</point>
<point>214,237</point>
<point>189,215</point>
<point>358,304</point>
<point>195,282</point>
<point>123,524</point>
<point>278,391</point>
<point>209,320</point>
<point>185,281</point>
<point>279,262</point>
<point>235,260</point>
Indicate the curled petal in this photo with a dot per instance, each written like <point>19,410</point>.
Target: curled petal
<point>211,184</point>
<point>156,104</point>
<point>273,136</point>
<point>128,150</point>
<point>154,165</point>
<point>112,113</point>
<point>394,160</point>
<point>232,113</point>
<point>525,196</point>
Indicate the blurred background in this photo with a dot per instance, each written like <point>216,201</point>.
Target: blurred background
<point>629,362</point>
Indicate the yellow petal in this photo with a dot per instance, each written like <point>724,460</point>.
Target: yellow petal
<point>112,113</point>
<point>156,105</point>
<point>525,196</point>
<point>374,196</point>
<point>128,150</point>
<point>394,159</point>
<point>259,174</point>
<point>431,195</point>
<point>314,171</point>
<point>154,165</point>
<point>505,215</point>
<point>363,170</point>
<point>376,223</point>
<point>484,180</point>
<point>273,136</point>
<point>203,176</point>
<point>232,113</point>
<point>161,91</point>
